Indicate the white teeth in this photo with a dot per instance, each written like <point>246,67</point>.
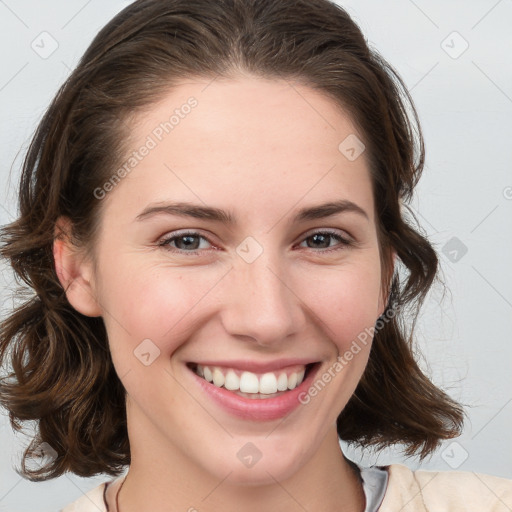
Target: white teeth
<point>207,374</point>
<point>218,377</point>
<point>248,382</point>
<point>282,382</point>
<point>268,384</point>
<point>232,381</point>
<point>292,381</point>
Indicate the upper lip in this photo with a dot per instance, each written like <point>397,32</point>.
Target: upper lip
<point>256,366</point>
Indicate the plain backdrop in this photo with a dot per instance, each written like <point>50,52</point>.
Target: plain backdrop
<point>455,59</point>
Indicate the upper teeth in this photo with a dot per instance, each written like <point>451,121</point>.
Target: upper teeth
<point>249,382</point>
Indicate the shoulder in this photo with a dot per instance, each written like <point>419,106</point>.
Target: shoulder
<point>445,491</point>
<point>89,502</point>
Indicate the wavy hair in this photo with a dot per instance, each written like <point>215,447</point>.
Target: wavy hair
<point>59,373</point>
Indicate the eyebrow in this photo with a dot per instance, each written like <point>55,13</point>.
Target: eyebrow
<point>184,209</point>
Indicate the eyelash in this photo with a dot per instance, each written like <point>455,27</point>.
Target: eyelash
<point>344,242</point>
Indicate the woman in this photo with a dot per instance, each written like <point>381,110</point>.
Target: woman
<point>211,218</point>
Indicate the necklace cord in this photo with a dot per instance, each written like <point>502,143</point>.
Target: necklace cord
<point>352,464</point>
<point>117,494</point>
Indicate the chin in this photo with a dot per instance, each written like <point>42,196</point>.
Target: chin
<point>262,474</point>
<point>258,472</point>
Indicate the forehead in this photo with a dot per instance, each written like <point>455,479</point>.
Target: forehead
<point>271,111</point>
<point>255,140</point>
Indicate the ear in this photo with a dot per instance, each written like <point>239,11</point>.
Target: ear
<point>388,271</point>
<point>74,271</point>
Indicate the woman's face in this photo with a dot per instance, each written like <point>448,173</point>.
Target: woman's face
<point>284,283</point>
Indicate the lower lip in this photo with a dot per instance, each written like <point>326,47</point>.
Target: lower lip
<point>255,409</point>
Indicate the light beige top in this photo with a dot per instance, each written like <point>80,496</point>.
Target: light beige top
<point>407,491</point>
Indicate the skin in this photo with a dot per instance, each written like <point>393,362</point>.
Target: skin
<point>262,150</point>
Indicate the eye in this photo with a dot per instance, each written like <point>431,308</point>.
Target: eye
<point>189,242</point>
<point>322,239</point>
<point>185,243</point>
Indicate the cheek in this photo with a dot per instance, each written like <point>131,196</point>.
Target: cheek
<point>157,303</point>
<point>345,300</point>
<point>168,305</point>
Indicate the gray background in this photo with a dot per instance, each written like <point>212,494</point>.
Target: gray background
<point>464,202</point>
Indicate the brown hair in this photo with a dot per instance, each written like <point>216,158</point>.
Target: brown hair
<point>62,375</point>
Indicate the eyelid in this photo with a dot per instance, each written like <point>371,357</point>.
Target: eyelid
<point>173,235</point>
<point>332,231</point>
<point>345,240</point>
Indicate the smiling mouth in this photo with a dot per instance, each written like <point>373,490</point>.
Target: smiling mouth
<point>253,385</point>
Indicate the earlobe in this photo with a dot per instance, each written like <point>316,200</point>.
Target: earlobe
<point>74,271</point>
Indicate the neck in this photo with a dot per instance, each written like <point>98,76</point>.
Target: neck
<point>330,485</point>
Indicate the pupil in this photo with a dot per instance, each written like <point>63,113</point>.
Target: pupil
<point>321,237</point>
<point>189,240</point>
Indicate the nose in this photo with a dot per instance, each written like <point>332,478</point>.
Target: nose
<point>260,302</point>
